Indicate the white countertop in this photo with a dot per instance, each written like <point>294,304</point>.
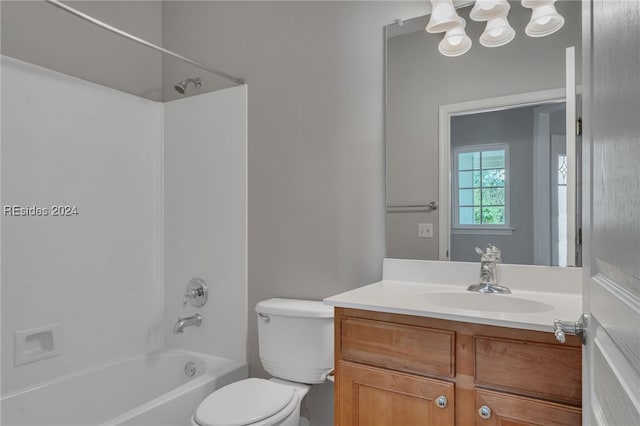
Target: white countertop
<point>548,298</point>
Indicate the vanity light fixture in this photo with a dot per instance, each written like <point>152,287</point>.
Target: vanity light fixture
<point>497,33</point>
<point>545,19</point>
<point>486,10</point>
<point>456,42</point>
<point>443,17</point>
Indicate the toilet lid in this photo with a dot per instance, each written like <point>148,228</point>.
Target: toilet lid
<point>244,402</point>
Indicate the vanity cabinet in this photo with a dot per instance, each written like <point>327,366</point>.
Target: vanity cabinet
<point>402,370</point>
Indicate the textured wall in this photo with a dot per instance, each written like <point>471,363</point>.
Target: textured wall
<point>316,138</point>
<point>41,34</point>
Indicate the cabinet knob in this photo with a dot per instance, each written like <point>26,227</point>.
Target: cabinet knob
<point>442,402</point>
<point>484,412</point>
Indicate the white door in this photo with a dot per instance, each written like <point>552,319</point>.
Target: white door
<point>611,385</point>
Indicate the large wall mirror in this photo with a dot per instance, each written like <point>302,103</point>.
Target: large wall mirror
<point>482,148</point>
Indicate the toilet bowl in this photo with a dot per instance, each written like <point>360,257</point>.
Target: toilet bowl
<point>252,402</point>
<point>295,341</point>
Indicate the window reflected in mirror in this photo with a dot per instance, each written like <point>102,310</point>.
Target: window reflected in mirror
<point>480,186</point>
<point>509,183</point>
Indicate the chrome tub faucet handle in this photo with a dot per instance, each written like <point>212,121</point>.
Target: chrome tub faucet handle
<point>196,293</point>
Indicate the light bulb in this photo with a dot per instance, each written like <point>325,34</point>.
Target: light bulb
<point>543,21</point>
<point>443,17</point>
<point>455,40</point>
<point>497,33</point>
<point>485,10</point>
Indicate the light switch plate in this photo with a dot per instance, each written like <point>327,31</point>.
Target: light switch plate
<point>425,230</point>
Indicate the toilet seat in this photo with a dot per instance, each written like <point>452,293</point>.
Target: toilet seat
<point>247,402</point>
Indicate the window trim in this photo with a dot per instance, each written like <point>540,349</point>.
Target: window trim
<point>482,229</point>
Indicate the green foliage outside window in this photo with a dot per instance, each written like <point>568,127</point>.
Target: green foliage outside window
<point>482,187</point>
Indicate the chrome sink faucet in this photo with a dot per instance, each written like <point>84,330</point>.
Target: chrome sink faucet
<point>489,260</point>
<point>186,322</point>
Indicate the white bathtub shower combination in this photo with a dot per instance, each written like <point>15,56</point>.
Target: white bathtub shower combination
<point>154,390</point>
<point>85,375</point>
<point>157,180</point>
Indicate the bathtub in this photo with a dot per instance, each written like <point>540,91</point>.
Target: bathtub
<point>152,390</point>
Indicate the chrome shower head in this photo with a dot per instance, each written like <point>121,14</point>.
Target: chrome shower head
<point>182,86</point>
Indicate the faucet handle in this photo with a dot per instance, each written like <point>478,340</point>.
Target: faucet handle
<point>495,251</point>
<point>196,293</point>
<point>491,254</point>
<point>189,294</point>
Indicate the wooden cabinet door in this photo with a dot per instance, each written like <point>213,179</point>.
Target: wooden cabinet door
<point>511,410</point>
<point>370,396</point>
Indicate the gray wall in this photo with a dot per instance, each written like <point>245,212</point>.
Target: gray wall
<point>420,79</point>
<point>558,123</point>
<point>41,34</point>
<point>316,147</point>
<point>515,128</point>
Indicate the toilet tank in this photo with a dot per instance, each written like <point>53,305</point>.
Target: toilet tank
<point>295,339</point>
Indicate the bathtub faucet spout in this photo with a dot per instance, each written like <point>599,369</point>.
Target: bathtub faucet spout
<point>186,322</point>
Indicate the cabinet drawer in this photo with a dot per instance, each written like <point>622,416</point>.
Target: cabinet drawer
<point>398,346</point>
<point>520,411</point>
<point>371,396</point>
<point>535,369</point>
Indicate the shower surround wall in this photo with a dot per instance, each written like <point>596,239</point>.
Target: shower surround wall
<point>97,274</point>
<point>206,219</point>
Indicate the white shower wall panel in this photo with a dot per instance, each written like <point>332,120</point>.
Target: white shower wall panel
<point>205,140</point>
<point>97,274</point>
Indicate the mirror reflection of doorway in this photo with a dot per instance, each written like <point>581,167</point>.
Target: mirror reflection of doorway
<point>550,185</point>
<point>533,190</point>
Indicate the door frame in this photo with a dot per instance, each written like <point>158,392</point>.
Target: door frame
<point>541,182</point>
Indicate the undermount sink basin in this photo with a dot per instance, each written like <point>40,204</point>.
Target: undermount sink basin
<point>486,302</point>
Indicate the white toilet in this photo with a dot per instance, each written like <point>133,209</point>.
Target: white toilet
<point>295,339</point>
